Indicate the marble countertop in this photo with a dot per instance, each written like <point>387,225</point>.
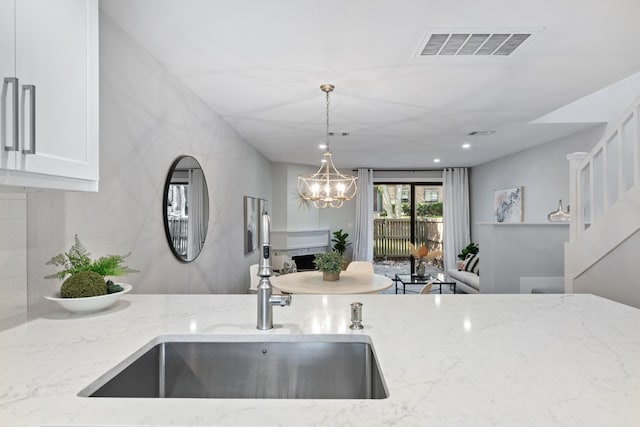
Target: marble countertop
<point>448,360</point>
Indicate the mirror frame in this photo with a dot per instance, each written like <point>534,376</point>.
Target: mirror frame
<point>165,218</point>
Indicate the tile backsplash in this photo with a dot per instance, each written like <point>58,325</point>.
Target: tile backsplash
<point>13,254</point>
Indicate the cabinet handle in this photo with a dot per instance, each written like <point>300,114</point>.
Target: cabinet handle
<point>32,116</point>
<point>14,104</point>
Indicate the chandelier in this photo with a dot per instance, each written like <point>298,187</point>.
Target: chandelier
<point>327,188</point>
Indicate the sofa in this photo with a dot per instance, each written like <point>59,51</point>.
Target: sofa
<point>465,281</point>
<point>467,275</point>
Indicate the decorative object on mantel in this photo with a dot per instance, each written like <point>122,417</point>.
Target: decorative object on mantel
<point>330,264</point>
<point>559,215</point>
<point>327,188</point>
<point>508,205</point>
<point>86,284</point>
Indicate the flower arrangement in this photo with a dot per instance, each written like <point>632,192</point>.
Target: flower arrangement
<point>422,255</point>
<point>419,253</point>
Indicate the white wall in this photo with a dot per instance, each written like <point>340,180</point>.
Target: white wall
<point>289,212</point>
<point>13,254</point>
<point>147,119</point>
<point>542,170</point>
<point>616,275</point>
<point>300,216</point>
<point>510,252</point>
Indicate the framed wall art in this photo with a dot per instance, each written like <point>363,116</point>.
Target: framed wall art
<point>508,205</point>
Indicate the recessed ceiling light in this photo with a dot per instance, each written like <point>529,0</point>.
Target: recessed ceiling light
<point>436,160</point>
<point>482,132</point>
<point>322,146</point>
<point>466,145</point>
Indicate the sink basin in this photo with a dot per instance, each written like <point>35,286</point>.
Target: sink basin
<point>285,367</point>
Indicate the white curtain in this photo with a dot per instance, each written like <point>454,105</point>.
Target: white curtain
<point>455,184</point>
<point>198,213</point>
<point>363,239</point>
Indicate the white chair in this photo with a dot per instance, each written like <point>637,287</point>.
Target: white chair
<point>360,267</point>
<point>254,279</point>
<point>427,288</point>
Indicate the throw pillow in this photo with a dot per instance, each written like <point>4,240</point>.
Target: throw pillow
<point>472,264</point>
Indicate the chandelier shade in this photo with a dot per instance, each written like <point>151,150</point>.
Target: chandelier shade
<point>327,188</point>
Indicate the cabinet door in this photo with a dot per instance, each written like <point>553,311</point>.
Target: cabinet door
<point>8,111</point>
<point>56,53</point>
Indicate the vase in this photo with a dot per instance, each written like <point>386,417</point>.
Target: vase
<point>330,276</point>
<point>559,215</point>
<point>421,268</point>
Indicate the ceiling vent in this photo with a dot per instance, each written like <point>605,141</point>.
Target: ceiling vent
<point>473,43</point>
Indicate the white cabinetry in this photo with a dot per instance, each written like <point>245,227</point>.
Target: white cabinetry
<point>53,45</point>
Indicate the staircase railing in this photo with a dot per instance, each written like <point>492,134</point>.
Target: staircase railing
<point>600,178</point>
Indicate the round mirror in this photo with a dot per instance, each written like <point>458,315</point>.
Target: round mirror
<point>186,208</point>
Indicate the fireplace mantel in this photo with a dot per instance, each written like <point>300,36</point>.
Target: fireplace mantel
<point>300,242</point>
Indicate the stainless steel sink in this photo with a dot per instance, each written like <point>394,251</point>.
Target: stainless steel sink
<point>289,367</point>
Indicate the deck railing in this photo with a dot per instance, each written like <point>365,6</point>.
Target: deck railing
<point>391,236</point>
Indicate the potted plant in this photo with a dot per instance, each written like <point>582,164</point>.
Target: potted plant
<point>330,263</point>
<point>471,248</point>
<point>87,277</point>
<point>340,244</point>
<point>340,241</point>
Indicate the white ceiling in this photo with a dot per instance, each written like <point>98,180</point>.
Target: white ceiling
<point>259,64</point>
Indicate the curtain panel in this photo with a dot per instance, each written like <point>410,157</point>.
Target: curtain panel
<point>457,235</point>
<point>363,239</point>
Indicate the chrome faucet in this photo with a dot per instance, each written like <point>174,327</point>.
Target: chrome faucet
<point>266,301</point>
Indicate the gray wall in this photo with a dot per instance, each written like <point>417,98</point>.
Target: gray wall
<point>511,252</point>
<point>147,119</point>
<point>542,170</point>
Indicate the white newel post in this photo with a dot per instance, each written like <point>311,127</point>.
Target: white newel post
<point>575,192</point>
<point>575,203</point>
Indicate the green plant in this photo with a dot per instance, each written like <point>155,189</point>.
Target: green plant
<point>340,241</point>
<point>83,284</point>
<point>330,262</point>
<point>78,259</point>
<point>471,248</point>
<point>429,209</point>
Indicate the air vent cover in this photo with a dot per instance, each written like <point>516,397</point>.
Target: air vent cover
<point>473,44</point>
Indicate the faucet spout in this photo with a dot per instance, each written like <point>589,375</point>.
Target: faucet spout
<point>281,300</point>
<point>266,300</point>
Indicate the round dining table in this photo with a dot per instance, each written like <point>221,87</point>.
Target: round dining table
<point>310,282</point>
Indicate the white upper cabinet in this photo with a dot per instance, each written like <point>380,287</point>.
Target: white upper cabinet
<point>10,86</point>
<point>56,63</point>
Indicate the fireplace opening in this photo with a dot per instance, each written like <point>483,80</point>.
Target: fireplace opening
<point>304,262</point>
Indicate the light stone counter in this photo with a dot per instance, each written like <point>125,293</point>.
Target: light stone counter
<point>448,360</point>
